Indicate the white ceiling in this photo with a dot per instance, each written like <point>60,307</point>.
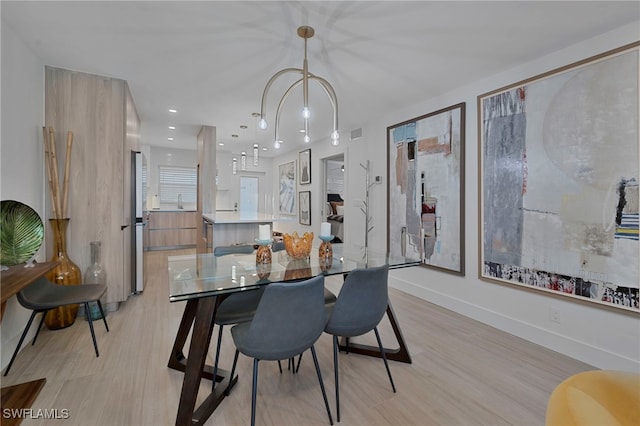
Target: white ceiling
<point>211,60</point>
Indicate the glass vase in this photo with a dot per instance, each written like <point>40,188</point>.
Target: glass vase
<point>95,274</point>
<point>66,273</point>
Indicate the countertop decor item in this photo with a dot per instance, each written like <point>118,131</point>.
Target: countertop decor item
<point>298,247</point>
<point>325,252</point>
<point>263,254</point>
<point>21,230</point>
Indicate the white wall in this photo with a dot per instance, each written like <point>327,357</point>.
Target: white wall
<point>229,184</point>
<point>319,150</point>
<point>21,151</point>
<point>605,338</point>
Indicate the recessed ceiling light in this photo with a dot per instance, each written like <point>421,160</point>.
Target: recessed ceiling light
<point>169,139</point>
<point>173,110</point>
<point>243,126</point>
<point>234,136</point>
<point>301,131</point>
<point>172,127</point>
<point>255,114</point>
<point>220,144</point>
<point>264,148</point>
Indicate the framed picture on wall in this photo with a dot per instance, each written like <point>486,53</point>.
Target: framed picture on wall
<point>287,190</point>
<point>426,189</point>
<point>304,215</point>
<point>558,181</point>
<point>304,162</point>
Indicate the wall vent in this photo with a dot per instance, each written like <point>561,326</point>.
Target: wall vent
<point>356,134</point>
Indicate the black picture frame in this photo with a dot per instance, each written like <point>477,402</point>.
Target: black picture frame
<point>304,162</point>
<point>304,203</point>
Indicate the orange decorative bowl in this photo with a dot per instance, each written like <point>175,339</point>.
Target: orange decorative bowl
<point>298,247</point>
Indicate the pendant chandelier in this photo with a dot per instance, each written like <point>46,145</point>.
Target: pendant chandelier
<point>305,33</point>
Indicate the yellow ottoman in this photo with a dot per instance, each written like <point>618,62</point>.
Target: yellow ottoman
<point>602,398</point>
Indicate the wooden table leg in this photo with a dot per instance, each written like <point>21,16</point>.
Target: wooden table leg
<point>200,313</point>
<point>400,354</point>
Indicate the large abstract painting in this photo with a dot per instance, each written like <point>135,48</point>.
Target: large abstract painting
<point>287,181</point>
<point>426,189</point>
<point>558,164</point>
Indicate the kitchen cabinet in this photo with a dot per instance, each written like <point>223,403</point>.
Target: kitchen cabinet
<point>172,229</point>
<point>102,116</point>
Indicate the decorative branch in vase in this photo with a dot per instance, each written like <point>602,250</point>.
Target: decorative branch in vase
<point>67,272</point>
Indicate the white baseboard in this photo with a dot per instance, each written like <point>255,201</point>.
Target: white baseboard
<point>592,355</point>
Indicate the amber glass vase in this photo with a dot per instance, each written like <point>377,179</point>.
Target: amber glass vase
<point>66,273</point>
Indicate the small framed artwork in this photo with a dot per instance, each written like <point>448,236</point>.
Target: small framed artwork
<point>287,183</point>
<point>305,207</point>
<point>305,167</point>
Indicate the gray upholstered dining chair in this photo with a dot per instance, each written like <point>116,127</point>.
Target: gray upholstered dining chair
<point>42,296</point>
<point>283,330</point>
<point>237,307</point>
<point>361,304</point>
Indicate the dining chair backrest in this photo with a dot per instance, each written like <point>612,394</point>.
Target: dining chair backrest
<point>289,319</point>
<point>234,249</point>
<point>362,302</point>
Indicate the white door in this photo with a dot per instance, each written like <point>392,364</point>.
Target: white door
<point>248,196</point>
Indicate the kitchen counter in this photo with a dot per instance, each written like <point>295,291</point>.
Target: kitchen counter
<point>236,217</point>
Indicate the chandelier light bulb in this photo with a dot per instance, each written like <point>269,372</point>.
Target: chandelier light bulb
<point>262,123</point>
<point>306,113</point>
<point>335,138</point>
<point>276,144</point>
<point>307,139</point>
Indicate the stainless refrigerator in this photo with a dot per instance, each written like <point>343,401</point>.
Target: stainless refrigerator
<point>138,197</point>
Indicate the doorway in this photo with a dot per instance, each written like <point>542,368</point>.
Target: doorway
<point>248,196</point>
<point>334,195</point>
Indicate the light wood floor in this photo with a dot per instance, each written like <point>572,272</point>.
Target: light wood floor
<point>463,372</point>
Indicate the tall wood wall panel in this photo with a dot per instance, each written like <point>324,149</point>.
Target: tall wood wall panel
<point>94,108</point>
<point>206,182</point>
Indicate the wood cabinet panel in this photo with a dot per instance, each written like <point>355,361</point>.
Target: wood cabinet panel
<point>100,113</point>
<point>172,229</point>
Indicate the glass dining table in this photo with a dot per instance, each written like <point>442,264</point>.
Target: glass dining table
<point>204,281</point>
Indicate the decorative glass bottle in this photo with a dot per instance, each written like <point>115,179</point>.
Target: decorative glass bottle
<point>66,273</point>
<point>95,274</point>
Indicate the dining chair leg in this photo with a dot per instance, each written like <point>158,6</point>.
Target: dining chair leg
<point>384,357</point>
<point>280,366</point>
<point>233,371</point>
<point>299,359</point>
<point>335,373</point>
<point>90,321</point>
<point>44,314</point>
<point>324,394</point>
<point>24,333</point>
<point>104,318</point>
<point>215,362</point>
<point>254,391</point>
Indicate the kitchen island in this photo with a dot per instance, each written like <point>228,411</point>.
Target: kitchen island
<point>228,228</point>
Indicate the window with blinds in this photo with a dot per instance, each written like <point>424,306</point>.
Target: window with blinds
<point>174,180</point>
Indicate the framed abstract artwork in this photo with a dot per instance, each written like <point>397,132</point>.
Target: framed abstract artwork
<point>304,162</point>
<point>426,189</point>
<point>287,188</point>
<point>304,215</point>
<point>558,181</point>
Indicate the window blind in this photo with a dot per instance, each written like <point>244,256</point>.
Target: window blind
<point>174,180</point>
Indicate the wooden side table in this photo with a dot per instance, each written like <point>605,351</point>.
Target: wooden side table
<point>12,281</point>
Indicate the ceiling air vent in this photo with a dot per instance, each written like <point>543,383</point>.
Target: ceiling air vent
<point>356,134</point>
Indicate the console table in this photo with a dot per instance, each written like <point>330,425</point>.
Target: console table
<point>12,281</point>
